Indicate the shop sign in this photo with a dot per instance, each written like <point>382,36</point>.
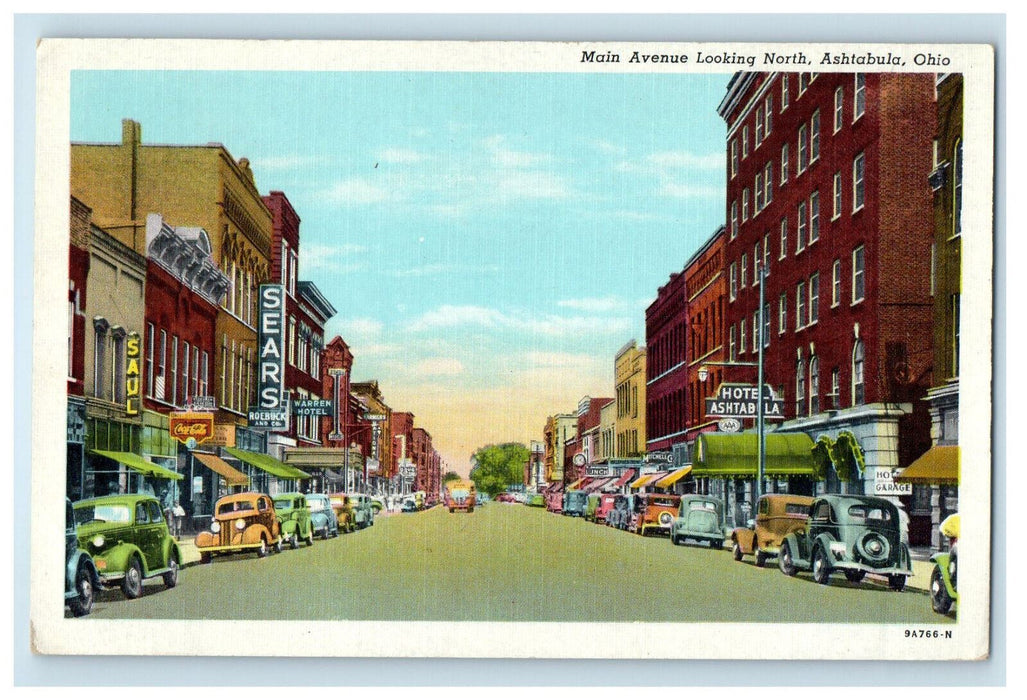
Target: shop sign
<point>133,388</point>
<point>272,410</point>
<point>224,435</point>
<point>188,427</point>
<point>374,416</point>
<point>76,423</point>
<point>203,403</point>
<point>594,471</point>
<point>742,401</point>
<point>884,483</point>
<point>662,457</point>
<point>372,465</point>
<point>313,407</point>
<point>729,425</point>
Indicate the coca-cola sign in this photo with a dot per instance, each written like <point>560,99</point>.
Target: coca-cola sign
<point>191,426</point>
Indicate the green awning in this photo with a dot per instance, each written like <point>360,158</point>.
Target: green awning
<point>134,461</point>
<point>267,463</point>
<point>734,455</point>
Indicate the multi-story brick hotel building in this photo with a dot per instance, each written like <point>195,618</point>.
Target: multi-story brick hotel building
<point>828,193</point>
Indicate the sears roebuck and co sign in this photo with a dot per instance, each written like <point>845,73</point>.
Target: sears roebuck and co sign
<point>272,409</point>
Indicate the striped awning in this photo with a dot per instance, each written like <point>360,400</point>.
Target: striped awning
<point>233,477</point>
<point>672,478</point>
<point>573,486</point>
<point>647,479</point>
<point>598,484</point>
<point>624,478</point>
<point>267,463</point>
<point>139,464</point>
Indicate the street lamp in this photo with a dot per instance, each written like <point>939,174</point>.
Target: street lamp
<point>761,454</point>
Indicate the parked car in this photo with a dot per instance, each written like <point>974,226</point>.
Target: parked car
<point>81,579</point>
<point>242,522</point>
<point>294,514</point>
<point>853,534</point>
<point>701,519</point>
<point>537,500</point>
<point>363,513</point>
<point>377,505</point>
<point>129,541</point>
<point>322,515</point>
<point>777,515</point>
<point>409,506</point>
<point>654,512</point>
<point>554,502</point>
<point>574,503</point>
<point>943,577</point>
<point>620,514</point>
<point>343,511</point>
<point>505,498</point>
<point>599,504</point>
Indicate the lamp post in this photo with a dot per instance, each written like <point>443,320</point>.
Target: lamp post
<point>761,448</point>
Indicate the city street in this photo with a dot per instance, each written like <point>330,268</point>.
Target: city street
<point>509,563</point>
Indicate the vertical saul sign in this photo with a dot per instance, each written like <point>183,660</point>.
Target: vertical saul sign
<point>271,411</point>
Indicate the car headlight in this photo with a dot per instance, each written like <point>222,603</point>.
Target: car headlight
<point>215,527</point>
<point>838,549</point>
<point>98,541</point>
<point>240,524</point>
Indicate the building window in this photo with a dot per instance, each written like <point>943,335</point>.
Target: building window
<point>745,270</point>
<point>784,239</point>
<point>782,313</point>
<point>814,298</point>
<point>741,337</point>
<point>100,327</point>
<point>745,205</point>
<point>224,370</point>
<point>71,336</point>
<point>836,196</point>
<point>801,230</point>
<point>733,281</point>
<point>800,305</point>
<point>934,262</point>
<point>203,376</point>
<point>285,263</point>
<point>768,184</point>
<point>196,371</point>
<point>814,137</point>
<point>756,330</point>
<point>734,219</point>
<point>859,97</point>
<point>756,264</point>
<point>839,101</point>
<point>768,109</point>
<point>857,182</point>
<point>857,374</point>
<point>857,275</point>
<point>174,369</point>
<point>784,163</point>
<point>766,254</point>
<point>759,126</point>
<point>293,266</point>
<point>814,385</point>
<point>758,193</point>
<point>766,325</point>
<point>149,360</point>
<point>957,189</point>
<point>800,387</point>
<point>292,340</point>
<point>814,216</point>
<point>954,304</point>
<point>836,283</point>
<point>804,81</point>
<point>836,399</point>
<point>784,92</point>
<point>745,142</point>
<point>734,157</point>
<point>185,372</point>
<point>118,364</point>
<point>160,388</point>
<point>803,149</point>
<point>731,343</point>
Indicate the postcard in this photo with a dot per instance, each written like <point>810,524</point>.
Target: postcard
<point>504,349</point>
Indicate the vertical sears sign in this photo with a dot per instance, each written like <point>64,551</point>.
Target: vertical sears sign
<point>272,409</point>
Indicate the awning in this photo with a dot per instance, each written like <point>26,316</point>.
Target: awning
<point>647,479</point>
<point>734,455</point>
<point>134,461</point>
<point>267,463</point>
<point>233,477</point>
<point>672,478</point>
<point>573,486</point>
<point>627,476</point>
<point>598,484</point>
<point>939,466</point>
<point>322,458</point>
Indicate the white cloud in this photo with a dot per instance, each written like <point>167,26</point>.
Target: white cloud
<point>692,191</point>
<point>685,159</point>
<point>439,366</point>
<point>551,325</point>
<point>531,185</point>
<point>286,162</point>
<point>598,305</point>
<point>363,327</point>
<point>401,155</point>
<point>355,190</point>
<point>455,316</point>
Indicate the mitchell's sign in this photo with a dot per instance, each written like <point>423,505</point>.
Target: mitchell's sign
<point>272,409</point>
<point>742,401</point>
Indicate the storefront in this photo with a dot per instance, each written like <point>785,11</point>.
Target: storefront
<point>266,474</point>
<point>102,475</point>
<point>727,464</point>
<point>327,466</point>
<point>76,448</point>
<point>936,473</point>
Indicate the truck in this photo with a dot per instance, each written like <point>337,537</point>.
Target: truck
<point>461,495</point>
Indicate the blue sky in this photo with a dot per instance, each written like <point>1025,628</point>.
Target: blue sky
<point>489,239</point>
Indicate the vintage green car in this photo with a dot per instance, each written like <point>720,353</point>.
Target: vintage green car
<point>700,518</point>
<point>322,516</point>
<point>536,500</point>
<point>854,534</point>
<point>80,577</point>
<point>294,513</point>
<point>363,512</point>
<point>129,541</point>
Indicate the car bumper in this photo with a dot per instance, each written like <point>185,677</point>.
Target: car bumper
<point>880,570</point>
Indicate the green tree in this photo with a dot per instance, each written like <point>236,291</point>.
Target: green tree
<point>451,476</point>
<point>495,467</point>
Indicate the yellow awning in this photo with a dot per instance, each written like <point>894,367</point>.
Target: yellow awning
<point>939,466</point>
<point>647,479</point>
<point>574,485</point>
<point>134,461</point>
<point>233,477</point>
<point>673,477</point>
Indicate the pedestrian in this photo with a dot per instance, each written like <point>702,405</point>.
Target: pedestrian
<point>179,512</point>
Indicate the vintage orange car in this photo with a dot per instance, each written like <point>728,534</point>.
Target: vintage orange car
<point>343,508</point>
<point>777,516</point>
<point>654,512</point>
<point>242,522</point>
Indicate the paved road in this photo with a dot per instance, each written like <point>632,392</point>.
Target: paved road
<point>508,562</point>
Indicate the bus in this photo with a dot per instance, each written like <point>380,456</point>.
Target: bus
<point>460,495</point>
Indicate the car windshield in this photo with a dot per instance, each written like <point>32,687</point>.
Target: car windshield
<point>663,501</point>
<point>234,507</point>
<point>459,493</point>
<point>316,505</point>
<point>283,503</point>
<point>796,509</point>
<point>113,513</point>
<point>702,505</point>
<point>576,498</point>
<point>866,514</point>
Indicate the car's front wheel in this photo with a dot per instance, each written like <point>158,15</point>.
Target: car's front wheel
<point>941,601</point>
<point>821,569</point>
<point>897,582</point>
<point>737,552</point>
<point>784,561</point>
<point>758,555</point>
<point>717,544</point>
<point>294,541</point>
<point>675,540</point>
<point>278,545</point>
<point>262,552</point>
<point>82,604</point>
<point>310,537</point>
<point>171,575</point>
<point>854,575</point>
<point>132,584</point>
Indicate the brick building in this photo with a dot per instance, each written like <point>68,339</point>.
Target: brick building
<point>666,327</point>
<point>402,429</point>
<point>827,191</point>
